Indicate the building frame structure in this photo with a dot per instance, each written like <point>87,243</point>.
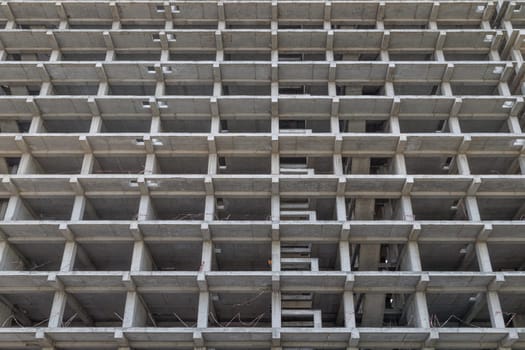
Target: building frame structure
<point>202,174</point>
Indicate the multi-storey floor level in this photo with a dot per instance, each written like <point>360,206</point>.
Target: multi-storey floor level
<point>263,175</point>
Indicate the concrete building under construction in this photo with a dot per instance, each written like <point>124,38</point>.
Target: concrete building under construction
<point>262,174</point>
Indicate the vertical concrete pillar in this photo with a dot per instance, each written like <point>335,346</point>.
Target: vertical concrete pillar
<point>135,313</point>
<point>276,256</point>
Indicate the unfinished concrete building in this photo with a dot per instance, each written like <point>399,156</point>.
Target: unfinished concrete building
<point>263,174</point>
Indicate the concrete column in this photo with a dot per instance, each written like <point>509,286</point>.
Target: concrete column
<point>209,207</point>
<point>338,164</point>
<point>203,310</point>
<point>411,260</point>
<point>405,209</point>
<point>416,308</point>
<point>419,311</point>
<point>151,165</point>
<point>146,210</point>
<point>344,256</point>
<point>275,156</point>
<point>37,125</point>
<point>276,310</point>
<point>276,256</point>
<point>71,249</point>
<point>57,309</point>
<point>399,164</point>
<point>493,302</point>
<point>46,89</point>
<point>349,309</point>
<point>17,210</point>
<point>208,256</point>
<point>135,314</point>
<point>204,296</point>
<point>495,311</point>
<point>275,170</point>
<point>89,161</point>
<point>513,124</point>
<point>29,165</point>
<point>141,259</point>
<point>68,258</point>
<point>462,164</point>
<point>482,253</point>
<point>472,208</point>
<point>369,254</point>
<point>275,208</point>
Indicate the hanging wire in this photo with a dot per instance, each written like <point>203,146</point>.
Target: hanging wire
<point>12,317</point>
<point>512,315</point>
<point>458,319</point>
<point>215,320</point>
<point>237,316</point>
<point>251,300</point>
<point>181,321</point>
<point>70,320</point>
<point>252,323</point>
<point>41,322</point>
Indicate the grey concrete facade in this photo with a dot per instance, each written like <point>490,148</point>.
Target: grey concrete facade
<point>267,175</point>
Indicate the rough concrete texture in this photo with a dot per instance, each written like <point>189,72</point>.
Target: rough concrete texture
<point>267,175</point>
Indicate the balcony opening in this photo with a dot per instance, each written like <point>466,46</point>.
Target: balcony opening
<point>26,309</point>
<point>45,208</point>
<point>59,125</point>
<point>444,165</point>
<point>179,207</point>
<point>499,165</point>
<point>34,256</point>
<point>176,256</point>
<point>312,309</point>
<point>417,89</point>
<point>302,126</point>
<point>305,256</point>
<point>373,209</point>
<point>306,165</point>
<point>360,90</point>
<point>182,164</point>
<point>167,309</point>
<point>384,310</point>
<point>79,89</point>
<point>104,309</point>
<point>244,125</point>
<point>307,208</point>
<point>103,256</point>
<point>423,125</point>
<point>186,125</point>
<point>244,165</point>
<point>237,208</point>
<point>119,165</point>
<point>203,89</point>
<point>240,256</point>
<point>447,256</point>
<point>303,89</point>
<point>439,208</point>
<point>248,309</point>
<point>237,89</point>
<point>111,208</point>
<point>501,208</point>
<point>458,310</point>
